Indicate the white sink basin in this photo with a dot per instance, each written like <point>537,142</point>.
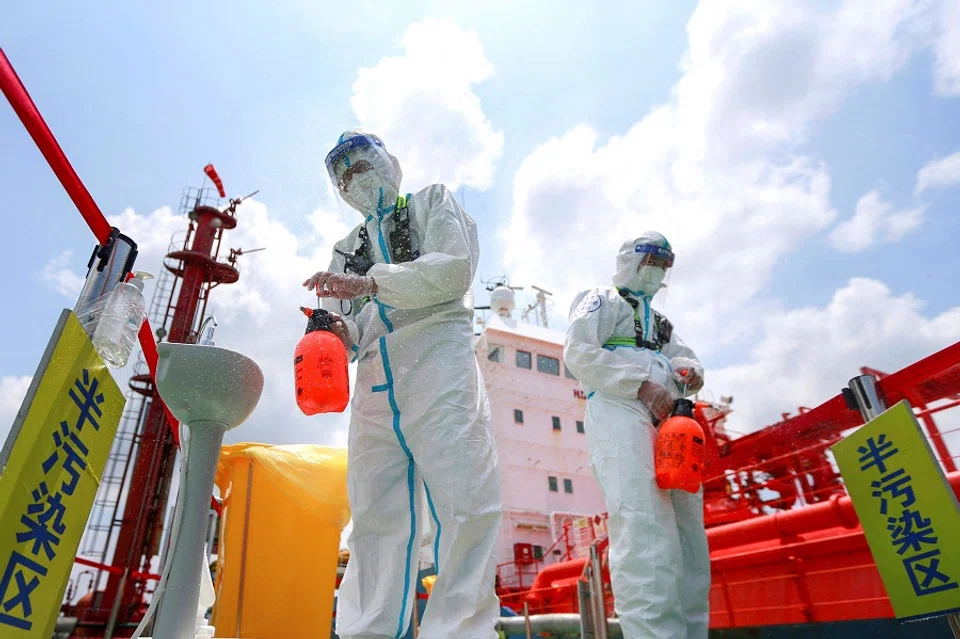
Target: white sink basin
<point>210,390</point>
<point>208,383</point>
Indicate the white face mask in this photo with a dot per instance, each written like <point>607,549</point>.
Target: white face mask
<point>364,191</point>
<point>650,279</point>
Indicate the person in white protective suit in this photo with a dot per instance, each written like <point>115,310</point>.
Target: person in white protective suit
<point>633,367</point>
<point>420,414</point>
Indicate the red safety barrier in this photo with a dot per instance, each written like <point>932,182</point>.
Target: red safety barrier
<point>794,565</point>
<point>30,116</point>
<point>26,110</point>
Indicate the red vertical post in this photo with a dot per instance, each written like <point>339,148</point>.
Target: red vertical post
<point>145,507</point>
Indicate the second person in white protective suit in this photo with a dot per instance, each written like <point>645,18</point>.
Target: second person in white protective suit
<point>420,428</point>
<point>633,367</point>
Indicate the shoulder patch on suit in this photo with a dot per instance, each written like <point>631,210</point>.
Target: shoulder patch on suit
<point>589,304</point>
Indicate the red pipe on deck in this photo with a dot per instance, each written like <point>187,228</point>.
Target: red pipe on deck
<point>838,511</point>
<point>113,570</point>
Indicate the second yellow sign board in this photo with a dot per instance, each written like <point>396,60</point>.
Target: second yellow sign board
<point>909,513</point>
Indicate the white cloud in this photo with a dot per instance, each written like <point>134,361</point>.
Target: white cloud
<point>808,355</point>
<point>758,73</point>
<point>875,221</point>
<point>947,51</point>
<point>424,106</point>
<point>12,391</point>
<point>58,275</point>
<point>720,168</point>
<point>939,173</point>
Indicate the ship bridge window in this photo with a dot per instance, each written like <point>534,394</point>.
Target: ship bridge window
<point>495,354</point>
<point>568,486</point>
<point>556,423</point>
<point>518,415</point>
<point>549,365</point>
<point>552,483</point>
<point>524,360</point>
<point>580,428</point>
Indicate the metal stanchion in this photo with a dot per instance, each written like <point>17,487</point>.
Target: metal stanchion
<point>586,609</point>
<point>600,629</point>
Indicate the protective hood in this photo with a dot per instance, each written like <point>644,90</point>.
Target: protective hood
<point>643,264</point>
<point>365,174</point>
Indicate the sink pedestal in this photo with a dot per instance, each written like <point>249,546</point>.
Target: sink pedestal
<point>209,390</point>
<point>177,613</point>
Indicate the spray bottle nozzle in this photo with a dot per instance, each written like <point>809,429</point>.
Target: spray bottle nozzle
<point>319,319</point>
<point>683,408</point>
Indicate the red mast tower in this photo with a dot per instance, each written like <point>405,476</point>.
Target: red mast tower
<point>128,516</point>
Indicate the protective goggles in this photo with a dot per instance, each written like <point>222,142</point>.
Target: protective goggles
<point>655,255</point>
<point>349,152</point>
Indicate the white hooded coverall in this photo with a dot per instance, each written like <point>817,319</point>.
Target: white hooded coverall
<point>659,560</point>
<point>420,416</point>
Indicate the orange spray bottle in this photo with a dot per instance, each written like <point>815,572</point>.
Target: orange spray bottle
<point>679,452</point>
<point>320,367</point>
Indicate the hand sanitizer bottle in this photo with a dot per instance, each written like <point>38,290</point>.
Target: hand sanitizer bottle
<point>124,312</point>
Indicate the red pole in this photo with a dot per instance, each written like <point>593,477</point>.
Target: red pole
<point>144,509</point>
<point>837,511</point>
<point>32,120</point>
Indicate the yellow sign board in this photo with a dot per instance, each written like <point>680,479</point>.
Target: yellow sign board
<point>51,468</point>
<point>908,511</point>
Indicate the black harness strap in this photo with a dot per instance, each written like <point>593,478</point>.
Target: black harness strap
<point>663,329</point>
<point>401,243</point>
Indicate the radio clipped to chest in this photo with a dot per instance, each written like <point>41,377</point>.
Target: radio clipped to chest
<point>662,328</point>
<point>401,242</point>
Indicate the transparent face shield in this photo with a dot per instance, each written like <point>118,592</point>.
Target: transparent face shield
<point>653,275</point>
<point>645,271</point>
<point>364,175</point>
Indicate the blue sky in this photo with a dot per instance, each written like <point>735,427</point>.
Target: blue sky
<point>568,130</point>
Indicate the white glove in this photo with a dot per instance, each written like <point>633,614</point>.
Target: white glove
<point>341,286</point>
<point>687,372</point>
<point>657,399</point>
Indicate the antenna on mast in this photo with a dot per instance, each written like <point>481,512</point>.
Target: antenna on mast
<point>539,308</point>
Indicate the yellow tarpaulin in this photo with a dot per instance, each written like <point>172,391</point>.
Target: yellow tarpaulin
<point>284,508</point>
